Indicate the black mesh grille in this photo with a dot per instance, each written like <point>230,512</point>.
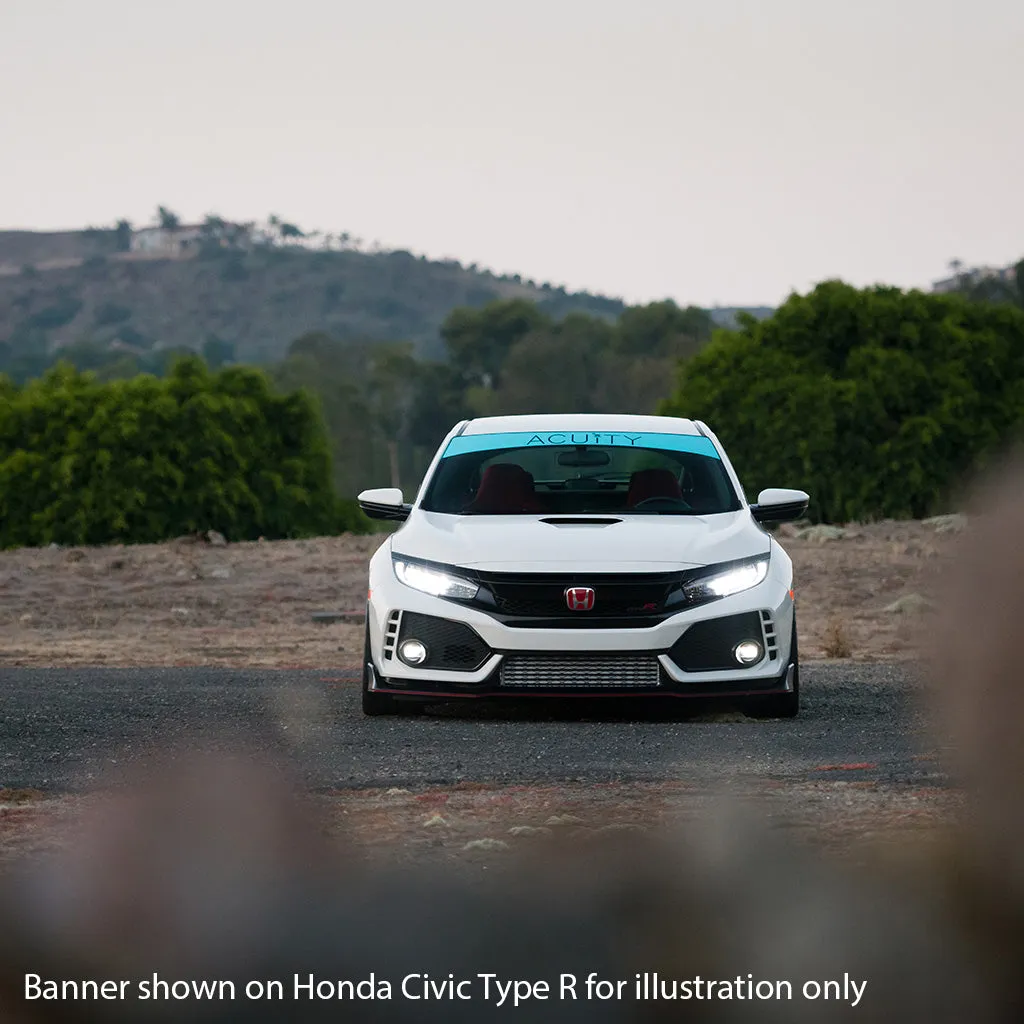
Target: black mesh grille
<point>707,646</point>
<point>543,596</point>
<point>450,645</point>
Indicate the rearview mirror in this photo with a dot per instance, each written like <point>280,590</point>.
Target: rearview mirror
<point>584,457</point>
<point>384,503</point>
<point>779,505</point>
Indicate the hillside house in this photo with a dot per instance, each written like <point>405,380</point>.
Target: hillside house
<point>167,241</point>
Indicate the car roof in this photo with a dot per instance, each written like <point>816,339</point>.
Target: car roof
<point>595,422</point>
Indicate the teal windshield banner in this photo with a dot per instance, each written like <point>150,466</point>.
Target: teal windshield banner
<point>465,443</point>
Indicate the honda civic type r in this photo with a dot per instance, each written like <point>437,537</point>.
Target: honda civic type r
<point>581,555</point>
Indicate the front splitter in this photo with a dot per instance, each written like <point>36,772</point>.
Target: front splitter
<point>489,691</point>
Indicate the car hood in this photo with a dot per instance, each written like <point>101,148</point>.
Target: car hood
<point>526,543</point>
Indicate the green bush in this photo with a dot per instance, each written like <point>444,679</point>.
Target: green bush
<point>146,459</point>
<point>875,401</point>
<point>349,518</point>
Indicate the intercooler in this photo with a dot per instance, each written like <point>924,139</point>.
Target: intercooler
<point>580,672</point>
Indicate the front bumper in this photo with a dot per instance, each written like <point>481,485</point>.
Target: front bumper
<point>493,687</point>
<point>475,655</point>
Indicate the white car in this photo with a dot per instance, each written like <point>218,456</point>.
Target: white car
<point>611,556</point>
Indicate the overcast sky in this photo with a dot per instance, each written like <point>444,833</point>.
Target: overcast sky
<point>721,151</point>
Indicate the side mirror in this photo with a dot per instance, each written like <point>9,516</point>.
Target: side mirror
<point>779,505</point>
<point>384,503</point>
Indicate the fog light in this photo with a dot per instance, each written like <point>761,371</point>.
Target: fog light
<point>747,652</point>
<point>412,652</point>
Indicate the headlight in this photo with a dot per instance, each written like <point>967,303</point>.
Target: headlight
<point>724,584</point>
<point>433,581</point>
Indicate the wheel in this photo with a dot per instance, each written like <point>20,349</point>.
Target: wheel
<point>783,705</point>
<point>374,703</point>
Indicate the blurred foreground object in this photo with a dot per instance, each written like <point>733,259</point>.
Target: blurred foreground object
<point>978,676</point>
<point>213,868</point>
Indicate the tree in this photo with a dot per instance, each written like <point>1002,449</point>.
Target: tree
<point>281,231</point>
<point>241,235</point>
<point>167,218</point>
<point>140,460</point>
<point>662,328</point>
<point>391,391</point>
<point>1006,287</point>
<point>550,371</point>
<point>335,373</point>
<point>213,227</point>
<point>875,401</point>
<point>438,403</point>
<point>123,235</point>
<point>582,364</point>
<point>478,340</point>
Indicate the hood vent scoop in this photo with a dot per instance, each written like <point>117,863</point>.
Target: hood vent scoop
<point>581,521</point>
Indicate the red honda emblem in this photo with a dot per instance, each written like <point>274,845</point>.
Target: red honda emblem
<point>580,599</point>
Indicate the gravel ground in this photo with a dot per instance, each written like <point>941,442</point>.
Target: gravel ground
<point>858,772</point>
<point>69,729</point>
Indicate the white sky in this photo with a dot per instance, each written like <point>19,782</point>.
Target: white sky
<point>721,151</point>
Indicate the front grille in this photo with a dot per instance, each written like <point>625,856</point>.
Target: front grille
<point>542,595</point>
<point>580,672</point>
<point>707,646</point>
<point>450,645</point>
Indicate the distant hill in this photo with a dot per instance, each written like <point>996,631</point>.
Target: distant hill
<point>22,248</point>
<point>725,316</point>
<point>61,288</point>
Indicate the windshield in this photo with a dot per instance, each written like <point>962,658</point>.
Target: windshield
<point>605,474</point>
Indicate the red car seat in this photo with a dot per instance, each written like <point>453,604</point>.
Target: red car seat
<point>652,483</point>
<point>505,487</point>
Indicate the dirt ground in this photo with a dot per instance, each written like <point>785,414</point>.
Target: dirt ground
<point>855,821</point>
<point>251,604</point>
